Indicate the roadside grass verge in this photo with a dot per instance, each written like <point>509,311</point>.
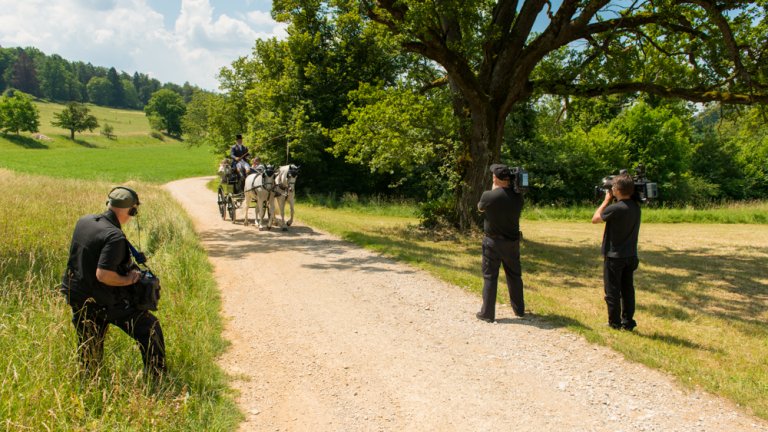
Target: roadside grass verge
<point>38,389</point>
<point>702,289</point>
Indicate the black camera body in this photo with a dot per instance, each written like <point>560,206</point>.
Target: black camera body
<point>519,179</point>
<point>146,292</point>
<point>644,189</point>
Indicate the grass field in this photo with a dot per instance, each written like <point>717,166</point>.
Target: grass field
<point>133,155</point>
<point>702,289</point>
<point>38,388</point>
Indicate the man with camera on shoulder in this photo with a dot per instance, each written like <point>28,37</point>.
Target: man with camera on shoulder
<point>99,286</point>
<point>619,249</point>
<point>502,206</point>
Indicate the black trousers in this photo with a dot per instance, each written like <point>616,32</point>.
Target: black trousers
<point>618,279</point>
<point>498,252</point>
<point>92,321</point>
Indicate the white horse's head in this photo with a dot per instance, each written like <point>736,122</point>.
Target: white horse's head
<point>224,168</point>
<point>286,177</point>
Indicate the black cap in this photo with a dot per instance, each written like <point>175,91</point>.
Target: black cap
<point>501,171</point>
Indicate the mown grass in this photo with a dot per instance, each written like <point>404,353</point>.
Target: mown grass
<point>702,289</point>
<point>38,388</point>
<point>133,155</point>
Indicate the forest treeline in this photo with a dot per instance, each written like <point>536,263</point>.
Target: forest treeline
<point>54,78</point>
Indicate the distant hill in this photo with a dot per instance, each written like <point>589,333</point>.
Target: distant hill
<point>54,78</point>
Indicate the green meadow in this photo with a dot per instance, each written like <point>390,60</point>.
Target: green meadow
<point>133,155</point>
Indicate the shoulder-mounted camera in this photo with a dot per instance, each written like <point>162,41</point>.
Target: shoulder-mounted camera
<point>519,179</point>
<point>644,189</point>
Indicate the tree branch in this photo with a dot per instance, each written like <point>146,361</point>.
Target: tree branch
<point>691,94</point>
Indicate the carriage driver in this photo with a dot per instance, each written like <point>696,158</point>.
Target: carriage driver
<point>238,153</point>
<point>97,285</point>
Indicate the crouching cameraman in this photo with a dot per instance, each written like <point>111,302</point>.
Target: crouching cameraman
<point>619,250</point>
<point>98,285</point>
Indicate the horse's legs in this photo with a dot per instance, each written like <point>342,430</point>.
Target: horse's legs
<point>271,206</point>
<point>260,211</point>
<point>281,207</point>
<point>291,196</point>
<point>246,203</point>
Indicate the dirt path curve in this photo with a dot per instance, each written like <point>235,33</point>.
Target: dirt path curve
<point>329,337</point>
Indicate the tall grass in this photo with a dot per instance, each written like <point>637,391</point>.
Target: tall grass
<point>702,289</point>
<point>38,388</point>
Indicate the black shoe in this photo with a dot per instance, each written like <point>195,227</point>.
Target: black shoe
<point>482,318</point>
<point>614,326</point>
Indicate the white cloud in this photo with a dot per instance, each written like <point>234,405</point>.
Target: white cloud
<point>130,35</point>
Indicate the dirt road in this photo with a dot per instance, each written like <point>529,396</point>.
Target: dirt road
<point>328,337</point>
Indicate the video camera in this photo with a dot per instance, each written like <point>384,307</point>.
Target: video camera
<point>146,292</point>
<point>519,179</point>
<point>644,189</point>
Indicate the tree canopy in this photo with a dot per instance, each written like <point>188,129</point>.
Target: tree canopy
<point>75,117</point>
<point>495,57</point>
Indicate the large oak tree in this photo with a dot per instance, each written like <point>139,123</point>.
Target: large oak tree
<point>497,54</point>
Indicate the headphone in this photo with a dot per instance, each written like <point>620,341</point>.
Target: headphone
<point>133,211</point>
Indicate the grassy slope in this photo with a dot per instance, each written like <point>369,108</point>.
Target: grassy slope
<point>134,155</point>
<point>38,389</point>
<point>701,289</point>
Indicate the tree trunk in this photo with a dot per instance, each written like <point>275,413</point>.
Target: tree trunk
<point>483,145</point>
<point>72,134</point>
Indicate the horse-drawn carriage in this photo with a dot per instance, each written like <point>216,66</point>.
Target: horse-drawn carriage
<point>259,190</point>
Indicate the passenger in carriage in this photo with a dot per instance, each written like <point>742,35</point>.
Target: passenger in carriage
<point>256,166</point>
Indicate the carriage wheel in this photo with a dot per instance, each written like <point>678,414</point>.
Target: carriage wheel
<point>222,203</point>
<point>231,208</point>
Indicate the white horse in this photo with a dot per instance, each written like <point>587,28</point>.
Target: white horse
<point>259,188</point>
<point>225,168</point>
<point>285,189</point>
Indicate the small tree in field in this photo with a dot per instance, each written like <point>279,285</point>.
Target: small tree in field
<point>18,113</point>
<point>75,118</point>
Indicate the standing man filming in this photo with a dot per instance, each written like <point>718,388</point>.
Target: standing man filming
<point>97,285</point>
<point>501,243</point>
<point>619,250</point>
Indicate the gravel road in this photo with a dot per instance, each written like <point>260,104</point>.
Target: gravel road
<point>329,337</point>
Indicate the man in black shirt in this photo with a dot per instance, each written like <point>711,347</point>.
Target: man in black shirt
<point>501,243</point>
<point>97,285</point>
<point>619,250</point>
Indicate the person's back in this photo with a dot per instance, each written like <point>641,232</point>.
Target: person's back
<point>622,229</point>
<point>502,207</point>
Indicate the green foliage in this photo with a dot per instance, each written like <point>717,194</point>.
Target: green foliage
<point>18,113</point>
<point>165,111</point>
<point>75,117</point>
<point>211,121</point>
<point>108,131</point>
<point>98,91</point>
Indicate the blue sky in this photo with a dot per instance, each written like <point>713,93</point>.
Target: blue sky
<point>171,40</point>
